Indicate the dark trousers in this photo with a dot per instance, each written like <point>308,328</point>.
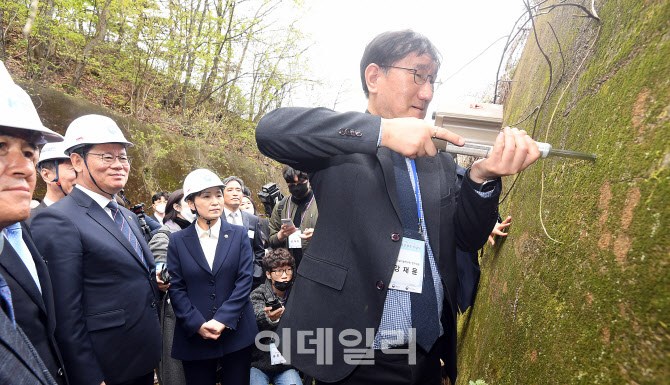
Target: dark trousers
<point>394,369</point>
<point>147,379</point>
<point>235,369</point>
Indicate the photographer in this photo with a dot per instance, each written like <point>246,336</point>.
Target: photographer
<point>279,267</point>
<point>177,217</point>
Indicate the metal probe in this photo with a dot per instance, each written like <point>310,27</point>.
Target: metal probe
<point>483,150</point>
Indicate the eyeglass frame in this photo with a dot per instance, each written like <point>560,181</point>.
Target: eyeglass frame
<point>116,157</point>
<point>416,76</point>
<point>280,272</point>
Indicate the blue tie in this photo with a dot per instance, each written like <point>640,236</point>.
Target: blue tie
<point>125,229</point>
<point>15,238</point>
<point>424,306</point>
<point>6,299</point>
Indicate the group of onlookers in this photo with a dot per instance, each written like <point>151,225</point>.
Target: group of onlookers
<point>93,295</point>
<point>80,287</point>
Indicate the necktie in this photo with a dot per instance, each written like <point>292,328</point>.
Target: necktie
<point>15,238</point>
<point>424,306</point>
<point>125,229</point>
<point>234,218</point>
<point>6,299</point>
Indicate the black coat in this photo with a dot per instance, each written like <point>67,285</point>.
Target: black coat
<point>106,298</point>
<point>343,278</point>
<point>34,312</point>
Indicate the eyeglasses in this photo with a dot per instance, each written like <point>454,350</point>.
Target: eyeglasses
<point>418,78</point>
<point>280,272</point>
<point>109,159</point>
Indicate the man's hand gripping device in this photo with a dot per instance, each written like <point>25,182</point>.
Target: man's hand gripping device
<point>480,124</point>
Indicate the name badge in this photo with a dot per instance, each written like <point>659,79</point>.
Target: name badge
<point>275,357</point>
<point>294,240</point>
<point>251,233</point>
<point>408,270</point>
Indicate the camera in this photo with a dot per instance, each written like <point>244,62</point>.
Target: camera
<point>270,195</point>
<point>274,304</point>
<point>138,209</point>
<point>164,275</point>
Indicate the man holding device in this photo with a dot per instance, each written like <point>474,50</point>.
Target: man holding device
<point>382,264</point>
<point>268,301</point>
<point>294,217</point>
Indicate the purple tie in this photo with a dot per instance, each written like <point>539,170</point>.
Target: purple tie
<point>125,229</point>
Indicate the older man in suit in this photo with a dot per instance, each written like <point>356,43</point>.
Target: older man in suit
<point>101,267</point>
<point>28,278</point>
<point>380,274</point>
<point>26,304</point>
<point>232,197</point>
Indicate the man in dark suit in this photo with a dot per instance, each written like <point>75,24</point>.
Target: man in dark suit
<point>32,295</point>
<point>25,293</point>
<point>158,202</point>
<point>57,172</point>
<point>232,197</point>
<point>380,274</point>
<point>101,268</point>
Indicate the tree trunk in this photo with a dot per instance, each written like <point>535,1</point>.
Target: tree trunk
<point>100,32</point>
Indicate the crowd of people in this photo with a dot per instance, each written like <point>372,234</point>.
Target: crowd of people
<point>205,290</point>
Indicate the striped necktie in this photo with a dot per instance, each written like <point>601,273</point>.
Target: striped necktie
<point>120,221</point>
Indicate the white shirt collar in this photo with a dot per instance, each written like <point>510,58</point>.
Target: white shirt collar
<point>228,212</point>
<point>99,199</point>
<point>47,201</point>
<point>216,228</point>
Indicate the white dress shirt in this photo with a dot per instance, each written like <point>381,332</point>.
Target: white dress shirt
<point>209,240</point>
<point>99,199</point>
<point>234,217</point>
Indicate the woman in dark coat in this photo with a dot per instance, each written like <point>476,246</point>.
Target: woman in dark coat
<point>211,264</point>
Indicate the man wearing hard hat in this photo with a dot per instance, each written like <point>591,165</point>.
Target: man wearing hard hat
<point>27,344</point>
<point>101,266</point>
<point>57,172</point>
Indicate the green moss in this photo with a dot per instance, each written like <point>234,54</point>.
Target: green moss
<point>595,307</point>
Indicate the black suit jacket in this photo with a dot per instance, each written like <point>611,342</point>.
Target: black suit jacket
<point>343,278</point>
<point>34,312</point>
<point>34,211</point>
<point>252,223</point>
<point>19,364</point>
<point>106,298</point>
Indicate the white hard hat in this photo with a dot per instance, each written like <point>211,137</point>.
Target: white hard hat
<point>200,179</point>
<point>52,151</point>
<point>17,110</point>
<point>93,129</point>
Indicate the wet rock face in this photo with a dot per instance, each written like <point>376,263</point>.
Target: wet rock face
<point>161,160</point>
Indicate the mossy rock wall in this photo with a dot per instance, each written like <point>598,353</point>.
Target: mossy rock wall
<point>161,159</point>
<point>593,304</point>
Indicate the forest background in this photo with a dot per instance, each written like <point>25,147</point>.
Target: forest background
<point>579,292</point>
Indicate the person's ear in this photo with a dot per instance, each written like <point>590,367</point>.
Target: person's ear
<point>176,207</point>
<point>372,74</point>
<point>267,274</point>
<point>77,162</point>
<point>45,173</point>
<point>191,205</point>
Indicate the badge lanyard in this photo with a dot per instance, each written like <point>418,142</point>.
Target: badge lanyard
<point>417,191</point>
<point>288,212</point>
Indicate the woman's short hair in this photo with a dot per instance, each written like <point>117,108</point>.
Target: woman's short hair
<point>175,197</point>
<point>276,258</point>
